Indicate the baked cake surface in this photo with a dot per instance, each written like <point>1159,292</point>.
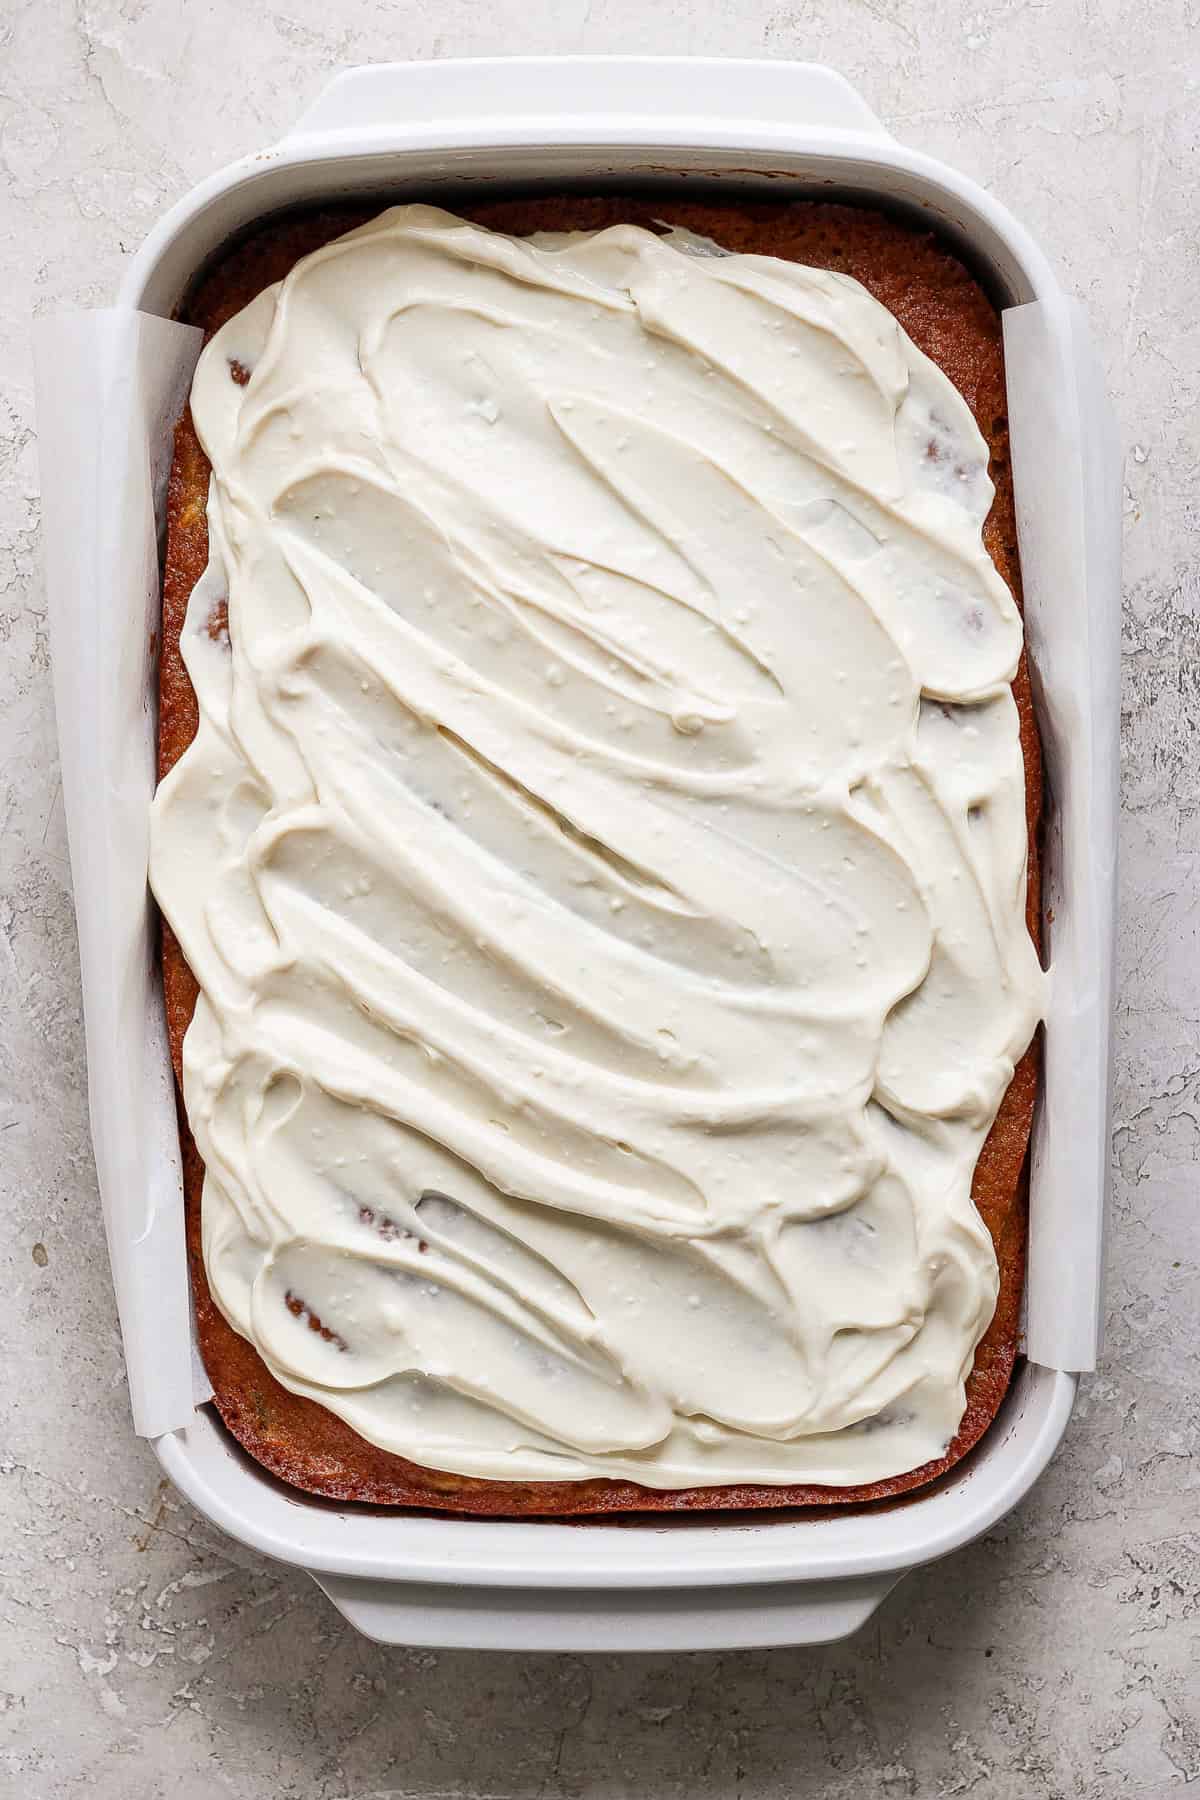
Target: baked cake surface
<point>948,317</point>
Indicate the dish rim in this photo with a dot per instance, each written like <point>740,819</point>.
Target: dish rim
<point>312,166</point>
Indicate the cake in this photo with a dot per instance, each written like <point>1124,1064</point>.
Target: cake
<point>585,1390</point>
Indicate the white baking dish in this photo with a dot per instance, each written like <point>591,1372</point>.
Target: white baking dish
<point>428,129</point>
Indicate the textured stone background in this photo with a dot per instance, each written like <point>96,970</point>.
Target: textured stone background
<point>141,1654</point>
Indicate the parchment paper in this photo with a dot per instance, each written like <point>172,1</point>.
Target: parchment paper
<point>110,385</point>
<point>1067,482</point>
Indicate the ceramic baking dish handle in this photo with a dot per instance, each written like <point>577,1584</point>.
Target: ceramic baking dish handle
<point>571,1619</point>
<point>604,92</point>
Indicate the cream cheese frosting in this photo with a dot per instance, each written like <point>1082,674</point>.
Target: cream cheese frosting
<point>602,857</point>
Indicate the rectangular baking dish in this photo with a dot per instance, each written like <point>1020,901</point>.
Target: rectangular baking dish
<point>435,130</point>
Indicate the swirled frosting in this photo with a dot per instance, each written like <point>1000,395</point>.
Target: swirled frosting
<point>602,857</point>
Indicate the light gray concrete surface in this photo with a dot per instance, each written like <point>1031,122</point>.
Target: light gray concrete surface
<point>144,1655</point>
